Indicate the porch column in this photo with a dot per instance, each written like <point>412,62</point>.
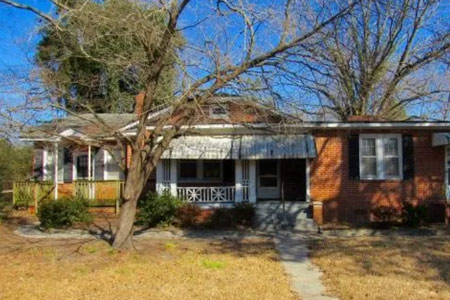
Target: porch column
<point>173,177</point>
<point>307,170</point>
<point>238,181</point>
<point>252,181</point>
<point>159,177</point>
<point>90,172</point>
<point>55,166</point>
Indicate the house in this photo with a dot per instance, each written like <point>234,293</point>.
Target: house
<point>238,151</point>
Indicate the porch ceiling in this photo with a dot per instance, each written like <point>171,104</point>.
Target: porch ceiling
<point>242,147</point>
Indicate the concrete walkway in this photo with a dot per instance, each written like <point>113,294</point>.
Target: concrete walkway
<point>293,249</point>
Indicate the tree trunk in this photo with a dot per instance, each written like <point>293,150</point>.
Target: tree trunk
<point>134,184</point>
<point>123,238</point>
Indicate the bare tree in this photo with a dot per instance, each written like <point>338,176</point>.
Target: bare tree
<point>226,42</point>
<point>382,59</point>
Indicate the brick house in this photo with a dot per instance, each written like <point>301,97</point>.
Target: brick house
<point>238,151</point>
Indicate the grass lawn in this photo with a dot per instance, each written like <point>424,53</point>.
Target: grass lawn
<point>385,267</point>
<point>159,269</point>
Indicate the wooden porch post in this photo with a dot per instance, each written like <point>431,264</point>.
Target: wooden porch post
<point>238,181</point>
<point>307,171</point>
<point>55,172</point>
<point>173,177</point>
<point>90,172</point>
<point>252,181</point>
<point>159,177</point>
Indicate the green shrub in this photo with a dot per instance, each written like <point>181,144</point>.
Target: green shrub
<point>63,213</point>
<point>414,215</point>
<point>157,209</point>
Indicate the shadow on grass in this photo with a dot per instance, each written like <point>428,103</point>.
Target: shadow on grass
<point>416,258</point>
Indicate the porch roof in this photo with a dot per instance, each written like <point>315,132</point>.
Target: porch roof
<point>242,147</point>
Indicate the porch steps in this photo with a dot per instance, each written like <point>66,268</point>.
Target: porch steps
<point>269,216</point>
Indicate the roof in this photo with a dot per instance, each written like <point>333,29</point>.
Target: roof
<point>242,147</point>
<point>254,117</point>
<point>82,124</point>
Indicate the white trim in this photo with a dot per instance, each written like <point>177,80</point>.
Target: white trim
<point>55,169</point>
<point>159,177</point>
<point>306,125</point>
<point>173,177</point>
<point>273,192</point>
<point>105,163</point>
<point>312,125</point>
<point>308,173</point>
<point>44,164</point>
<point>379,138</point>
<point>446,172</point>
<point>252,181</point>
<point>150,116</point>
<point>89,163</point>
<point>239,196</point>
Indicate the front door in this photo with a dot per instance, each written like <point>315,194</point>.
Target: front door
<point>268,179</point>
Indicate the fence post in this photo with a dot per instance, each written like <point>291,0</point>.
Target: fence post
<point>35,197</point>
<point>119,185</point>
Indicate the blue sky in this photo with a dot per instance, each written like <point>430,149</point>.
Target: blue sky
<point>18,28</point>
<point>16,33</point>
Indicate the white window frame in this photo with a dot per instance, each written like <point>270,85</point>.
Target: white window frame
<point>218,116</point>
<point>277,176</point>
<point>379,140</point>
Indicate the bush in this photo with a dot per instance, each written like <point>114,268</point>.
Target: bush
<point>387,214</point>
<point>189,215</point>
<point>63,213</point>
<point>157,209</point>
<point>414,215</point>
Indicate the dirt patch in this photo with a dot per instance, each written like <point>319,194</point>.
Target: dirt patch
<point>385,267</point>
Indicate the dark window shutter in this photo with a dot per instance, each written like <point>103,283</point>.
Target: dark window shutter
<point>353,156</point>
<point>68,165</point>
<point>408,156</point>
<point>38,166</point>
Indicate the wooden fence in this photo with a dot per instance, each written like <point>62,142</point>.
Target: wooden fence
<point>99,193</point>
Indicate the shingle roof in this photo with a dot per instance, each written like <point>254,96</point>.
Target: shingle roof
<point>86,124</point>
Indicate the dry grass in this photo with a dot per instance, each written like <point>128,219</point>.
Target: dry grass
<point>160,269</point>
<point>386,267</point>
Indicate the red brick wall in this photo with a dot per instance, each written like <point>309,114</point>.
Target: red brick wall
<point>347,200</point>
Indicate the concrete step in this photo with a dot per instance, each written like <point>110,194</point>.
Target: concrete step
<point>294,216</point>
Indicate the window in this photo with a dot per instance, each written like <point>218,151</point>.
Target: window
<point>268,173</point>
<point>82,167</point>
<point>380,156</point>
<point>211,169</point>
<point>188,169</point>
<point>218,111</point>
<point>200,170</point>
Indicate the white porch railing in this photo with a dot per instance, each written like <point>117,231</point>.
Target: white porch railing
<point>207,194</point>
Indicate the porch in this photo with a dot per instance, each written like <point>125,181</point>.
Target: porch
<point>217,170</point>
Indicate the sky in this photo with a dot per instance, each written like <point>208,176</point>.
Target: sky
<point>17,38</point>
<point>18,33</point>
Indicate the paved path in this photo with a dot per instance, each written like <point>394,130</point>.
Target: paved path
<point>293,249</point>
